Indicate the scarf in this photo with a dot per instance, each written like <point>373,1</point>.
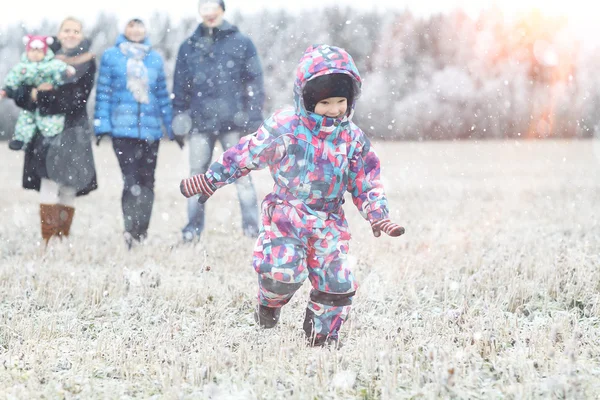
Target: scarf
<point>79,58</point>
<point>137,73</point>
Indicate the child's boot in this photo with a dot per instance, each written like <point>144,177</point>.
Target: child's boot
<point>267,317</point>
<point>276,294</point>
<point>325,315</point>
<point>16,144</point>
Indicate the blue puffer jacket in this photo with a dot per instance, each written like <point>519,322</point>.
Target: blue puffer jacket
<point>118,112</point>
<point>219,79</point>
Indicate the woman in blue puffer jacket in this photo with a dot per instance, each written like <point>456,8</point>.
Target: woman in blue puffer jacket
<point>133,106</point>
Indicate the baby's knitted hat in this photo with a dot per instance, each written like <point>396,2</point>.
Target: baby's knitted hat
<point>37,42</point>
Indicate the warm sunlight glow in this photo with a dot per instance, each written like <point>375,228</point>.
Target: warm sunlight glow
<point>544,43</point>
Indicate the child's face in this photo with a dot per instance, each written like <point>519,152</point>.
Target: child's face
<point>333,107</point>
<point>35,55</point>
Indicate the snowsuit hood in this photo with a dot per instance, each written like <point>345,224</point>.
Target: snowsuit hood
<point>319,60</point>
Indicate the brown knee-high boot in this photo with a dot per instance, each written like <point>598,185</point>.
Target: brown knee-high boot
<point>49,218</point>
<point>65,215</point>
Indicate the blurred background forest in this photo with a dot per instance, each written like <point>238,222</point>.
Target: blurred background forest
<point>442,77</point>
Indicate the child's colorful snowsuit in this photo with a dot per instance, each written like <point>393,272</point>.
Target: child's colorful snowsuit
<point>49,70</point>
<point>313,160</point>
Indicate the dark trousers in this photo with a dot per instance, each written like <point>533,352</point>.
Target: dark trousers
<point>137,159</point>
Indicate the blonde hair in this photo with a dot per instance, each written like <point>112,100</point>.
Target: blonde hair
<point>71,19</point>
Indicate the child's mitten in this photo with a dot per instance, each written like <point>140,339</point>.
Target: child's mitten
<point>197,184</point>
<point>386,226</point>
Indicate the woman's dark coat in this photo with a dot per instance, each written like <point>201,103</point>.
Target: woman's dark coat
<point>66,158</point>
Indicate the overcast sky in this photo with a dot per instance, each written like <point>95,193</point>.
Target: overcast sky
<point>31,12</point>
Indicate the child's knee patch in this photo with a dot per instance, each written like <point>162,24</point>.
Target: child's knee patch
<point>277,287</point>
<point>332,299</point>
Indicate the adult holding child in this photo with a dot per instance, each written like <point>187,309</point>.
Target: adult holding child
<point>133,106</point>
<point>60,165</point>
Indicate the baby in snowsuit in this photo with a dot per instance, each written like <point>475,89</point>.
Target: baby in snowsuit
<point>315,154</point>
<point>37,66</point>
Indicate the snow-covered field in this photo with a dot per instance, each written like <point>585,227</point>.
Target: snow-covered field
<point>493,292</point>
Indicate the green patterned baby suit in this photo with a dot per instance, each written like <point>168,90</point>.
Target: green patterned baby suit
<point>49,70</point>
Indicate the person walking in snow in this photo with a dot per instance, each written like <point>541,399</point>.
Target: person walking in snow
<point>218,89</point>
<point>133,107</point>
<point>315,153</point>
<point>59,162</point>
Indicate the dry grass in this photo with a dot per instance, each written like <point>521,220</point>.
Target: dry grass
<point>492,293</point>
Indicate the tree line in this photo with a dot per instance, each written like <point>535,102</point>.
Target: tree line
<point>442,77</point>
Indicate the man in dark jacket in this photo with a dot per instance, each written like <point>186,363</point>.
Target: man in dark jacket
<point>218,84</point>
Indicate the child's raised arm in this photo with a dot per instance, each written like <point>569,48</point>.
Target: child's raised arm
<point>197,184</point>
<point>255,151</point>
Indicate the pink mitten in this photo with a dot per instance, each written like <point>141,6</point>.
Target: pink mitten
<point>197,184</point>
<point>387,226</point>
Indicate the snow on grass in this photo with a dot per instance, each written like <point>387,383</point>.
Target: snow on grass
<point>493,291</point>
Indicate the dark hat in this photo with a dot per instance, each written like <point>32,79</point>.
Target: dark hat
<point>325,86</point>
<point>135,21</point>
<point>219,2</point>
